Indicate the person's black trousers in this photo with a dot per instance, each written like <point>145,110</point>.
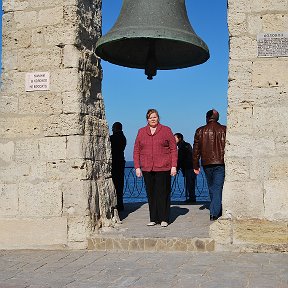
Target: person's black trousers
<point>158,188</point>
<point>118,180</point>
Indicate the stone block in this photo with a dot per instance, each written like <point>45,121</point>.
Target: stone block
<point>41,199</point>
<point>95,126</point>
<point>8,23</point>
<point>8,104</point>
<point>9,59</point>
<point>240,119</point>
<point>63,125</point>
<point>40,102</point>
<point>221,231</point>
<point>71,13</point>
<point>11,128</point>
<point>270,73</point>
<point>237,169</point>
<point>70,170</point>
<point>257,96</point>
<point>8,200</point>
<point>52,148</point>
<point>269,168</point>
<point>25,19</point>
<point>76,198</point>
<point>255,24</point>
<point>60,35</point>
<point>31,233</point>
<point>52,3</point>
<point>276,199</point>
<point>16,39</point>
<point>93,148</point>
<point>45,19</point>
<point>73,102</point>
<point>14,172</point>
<point>281,143</point>
<point>259,231</point>
<point>240,71</point>
<point>39,59</point>
<point>275,22</point>
<point>14,5</point>
<point>268,5</point>
<point>79,229</point>
<point>37,172</point>
<point>242,145</point>
<point>244,199</point>
<point>13,82</point>
<point>243,48</point>
<point>75,147</point>
<point>237,23</point>
<point>7,151</point>
<point>27,151</point>
<point>243,6</point>
<point>265,124</point>
<point>64,80</point>
<point>71,56</point>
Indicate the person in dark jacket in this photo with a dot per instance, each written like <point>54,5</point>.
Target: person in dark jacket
<point>209,145</point>
<point>185,164</point>
<point>118,145</point>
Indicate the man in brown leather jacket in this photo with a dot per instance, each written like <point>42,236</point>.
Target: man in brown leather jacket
<point>209,145</point>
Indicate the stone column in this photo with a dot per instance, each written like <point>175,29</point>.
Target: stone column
<point>55,157</point>
<point>255,196</point>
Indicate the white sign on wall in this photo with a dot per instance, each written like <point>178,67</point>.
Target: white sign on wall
<point>272,44</point>
<point>37,81</point>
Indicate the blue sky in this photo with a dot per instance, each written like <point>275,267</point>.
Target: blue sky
<point>182,96</point>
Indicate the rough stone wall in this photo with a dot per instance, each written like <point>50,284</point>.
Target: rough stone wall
<point>257,136</point>
<point>55,154</point>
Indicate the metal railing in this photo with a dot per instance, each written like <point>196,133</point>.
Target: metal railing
<point>134,187</point>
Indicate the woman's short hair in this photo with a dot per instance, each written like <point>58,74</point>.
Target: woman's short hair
<point>150,111</point>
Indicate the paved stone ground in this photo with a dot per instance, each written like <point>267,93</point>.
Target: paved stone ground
<point>113,269</point>
<point>186,220</point>
<point>91,269</point>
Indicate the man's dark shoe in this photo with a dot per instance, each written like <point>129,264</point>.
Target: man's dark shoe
<point>213,218</point>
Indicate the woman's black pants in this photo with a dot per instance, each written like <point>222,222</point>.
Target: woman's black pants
<point>158,188</point>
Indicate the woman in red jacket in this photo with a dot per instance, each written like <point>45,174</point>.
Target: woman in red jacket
<point>155,157</point>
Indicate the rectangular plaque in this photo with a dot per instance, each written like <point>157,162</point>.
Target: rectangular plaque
<point>37,81</point>
<point>272,44</point>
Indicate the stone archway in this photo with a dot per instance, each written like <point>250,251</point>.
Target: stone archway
<point>55,152</point>
<point>54,149</point>
<point>255,196</point>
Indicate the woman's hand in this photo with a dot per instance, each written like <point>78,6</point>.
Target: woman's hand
<point>138,172</point>
<point>173,171</point>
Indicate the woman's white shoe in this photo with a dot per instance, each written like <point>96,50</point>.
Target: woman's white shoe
<point>164,224</point>
<point>151,224</point>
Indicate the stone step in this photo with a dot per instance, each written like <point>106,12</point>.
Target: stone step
<point>188,230</point>
<point>110,243</point>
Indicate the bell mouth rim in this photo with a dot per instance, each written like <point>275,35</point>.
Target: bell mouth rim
<point>203,54</point>
<point>152,32</point>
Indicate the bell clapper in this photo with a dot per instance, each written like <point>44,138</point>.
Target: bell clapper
<point>151,67</point>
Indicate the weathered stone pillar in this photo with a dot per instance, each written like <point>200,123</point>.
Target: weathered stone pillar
<point>55,179</point>
<point>255,196</point>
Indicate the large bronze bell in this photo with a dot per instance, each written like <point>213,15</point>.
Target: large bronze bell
<point>153,35</point>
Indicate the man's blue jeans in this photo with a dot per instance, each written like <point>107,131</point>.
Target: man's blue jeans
<point>215,175</point>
